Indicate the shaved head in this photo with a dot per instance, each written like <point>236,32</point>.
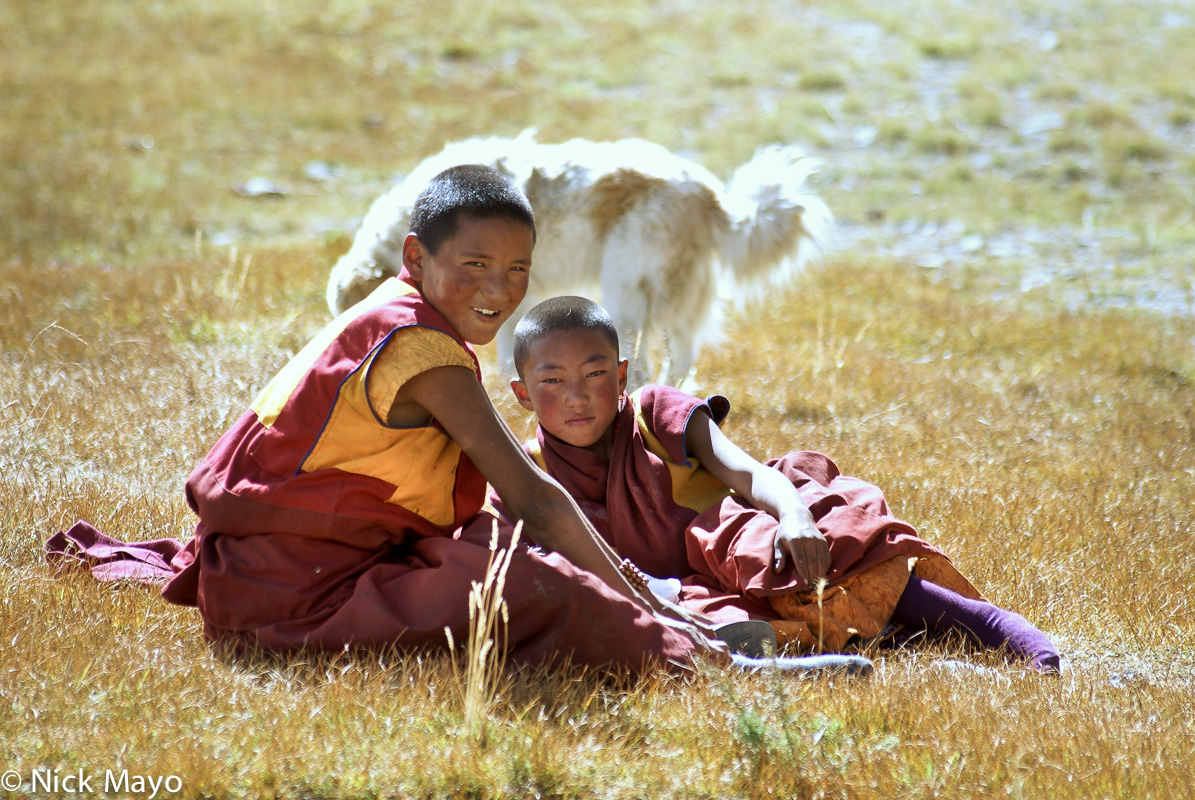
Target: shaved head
<point>560,314</point>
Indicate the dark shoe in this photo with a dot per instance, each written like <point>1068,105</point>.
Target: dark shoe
<point>751,637</point>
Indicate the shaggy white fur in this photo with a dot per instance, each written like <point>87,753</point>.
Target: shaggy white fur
<point>653,236</point>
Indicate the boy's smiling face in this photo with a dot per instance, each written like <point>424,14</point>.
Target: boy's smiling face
<point>479,275</point>
<point>572,380</point>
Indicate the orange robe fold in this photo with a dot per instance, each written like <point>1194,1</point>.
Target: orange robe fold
<point>657,506</point>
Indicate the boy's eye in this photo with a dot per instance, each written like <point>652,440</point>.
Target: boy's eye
<point>596,373</point>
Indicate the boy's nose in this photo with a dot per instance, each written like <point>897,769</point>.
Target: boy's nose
<point>495,285</point>
<point>577,396</point>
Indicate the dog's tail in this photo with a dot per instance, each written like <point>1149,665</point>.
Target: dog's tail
<point>376,252</point>
<point>776,225</point>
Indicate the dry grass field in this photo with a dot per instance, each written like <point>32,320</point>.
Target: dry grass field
<point>1003,338</point>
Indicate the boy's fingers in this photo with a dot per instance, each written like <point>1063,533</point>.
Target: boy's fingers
<point>811,559</point>
<point>813,562</point>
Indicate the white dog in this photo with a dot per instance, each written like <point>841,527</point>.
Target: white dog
<point>654,237</point>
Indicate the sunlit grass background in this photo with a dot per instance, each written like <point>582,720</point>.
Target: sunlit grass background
<point>1003,338</point>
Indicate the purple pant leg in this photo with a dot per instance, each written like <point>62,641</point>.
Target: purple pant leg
<point>928,606</point>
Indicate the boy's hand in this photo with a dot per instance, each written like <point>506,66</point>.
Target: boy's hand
<point>699,621</point>
<point>666,611</point>
<point>703,636</point>
<point>798,538</point>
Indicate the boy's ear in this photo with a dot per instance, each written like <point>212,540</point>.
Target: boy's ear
<point>412,256</point>
<point>520,390</point>
<point>622,375</point>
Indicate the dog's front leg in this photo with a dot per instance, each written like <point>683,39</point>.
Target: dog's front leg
<point>506,347</point>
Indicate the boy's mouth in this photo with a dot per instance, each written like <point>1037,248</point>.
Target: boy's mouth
<point>486,312</point>
<point>578,421</point>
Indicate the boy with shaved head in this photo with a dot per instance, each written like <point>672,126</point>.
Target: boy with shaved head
<point>747,541</point>
<point>342,510</point>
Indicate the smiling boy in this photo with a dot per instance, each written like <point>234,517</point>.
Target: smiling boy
<point>670,492</point>
<point>342,509</point>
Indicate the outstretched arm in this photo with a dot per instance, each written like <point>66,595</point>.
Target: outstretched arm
<point>797,536</point>
<point>456,399</point>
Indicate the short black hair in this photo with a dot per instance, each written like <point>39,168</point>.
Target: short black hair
<point>467,190</point>
<point>563,313</point>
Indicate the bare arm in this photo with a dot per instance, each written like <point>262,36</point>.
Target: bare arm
<point>551,516</point>
<point>797,536</point>
<point>455,398</point>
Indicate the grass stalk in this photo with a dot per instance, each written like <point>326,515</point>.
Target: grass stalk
<point>821,615</point>
<point>485,653</point>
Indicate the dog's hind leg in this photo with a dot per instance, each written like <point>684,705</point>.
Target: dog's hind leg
<point>693,318</point>
<point>629,311</point>
<point>639,370</point>
<point>506,349</point>
<point>627,295</point>
<point>505,340</point>
<point>679,367</point>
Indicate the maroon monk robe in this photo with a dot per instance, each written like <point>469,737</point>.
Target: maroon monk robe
<point>286,558</point>
<point>658,507</point>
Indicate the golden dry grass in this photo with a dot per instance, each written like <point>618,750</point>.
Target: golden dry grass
<point>1040,430</point>
<point>1048,450</point>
